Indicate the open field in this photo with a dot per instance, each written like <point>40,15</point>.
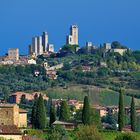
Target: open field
<point>101,96</point>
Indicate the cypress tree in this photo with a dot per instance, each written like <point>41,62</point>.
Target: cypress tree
<point>41,113</point>
<point>121,111</point>
<point>86,111</point>
<point>52,115</point>
<point>58,111</point>
<point>33,115</point>
<point>64,111</point>
<point>133,115</point>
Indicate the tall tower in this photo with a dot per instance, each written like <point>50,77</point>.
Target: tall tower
<point>74,33</point>
<point>72,39</point>
<point>30,49</point>
<point>39,45</point>
<point>34,45</point>
<point>45,41</point>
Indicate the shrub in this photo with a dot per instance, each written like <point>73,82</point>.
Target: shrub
<point>88,132</point>
<point>127,137</point>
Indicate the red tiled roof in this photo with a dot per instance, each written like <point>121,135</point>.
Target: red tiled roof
<point>9,130</point>
<point>30,138</point>
<point>22,111</point>
<point>7,105</point>
<point>127,128</point>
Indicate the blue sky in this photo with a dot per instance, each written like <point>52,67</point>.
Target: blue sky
<point>99,21</point>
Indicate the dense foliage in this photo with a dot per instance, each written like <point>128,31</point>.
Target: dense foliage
<point>64,111</point>
<point>39,114</point>
<point>133,115</point>
<point>88,132</point>
<point>121,111</point>
<point>86,111</point>
<point>127,137</point>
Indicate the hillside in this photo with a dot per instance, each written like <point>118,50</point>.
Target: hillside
<point>105,72</point>
<point>98,96</point>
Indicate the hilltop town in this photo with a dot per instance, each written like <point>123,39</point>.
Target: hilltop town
<point>48,94</point>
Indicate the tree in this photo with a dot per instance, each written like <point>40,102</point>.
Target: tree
<point>58,133</point>
<point>121,111</point>
<point>34,113</point>
<point>86,111</point>
<point>41,113</point>
<point>64,111</point>
<point>103,71</point>
<point>138,123</point>
<point>52,114</point>
<point>6,92</point>
<point>111,119</point>
<point>94,118</point>
<point>58,111</point>
<point>133,115</point>
<point>23,100</point>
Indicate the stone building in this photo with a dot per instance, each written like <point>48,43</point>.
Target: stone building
<point>50,48</point>
<point>13,54</point>
<point>45,40</point>
<point>11,114</point>
<point>72,39</point>
<point>120,51</point>
<point>10,132</point>
<point>107,46</point>
<point>15,98</point>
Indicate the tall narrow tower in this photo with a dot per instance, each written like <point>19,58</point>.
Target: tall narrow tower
<point>45,41</point>
<point>74,33</point>
<point>34,45</point>
<point>39,45</point>
<point>72,39</point>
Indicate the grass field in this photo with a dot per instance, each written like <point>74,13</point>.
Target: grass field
<point>101,96</point>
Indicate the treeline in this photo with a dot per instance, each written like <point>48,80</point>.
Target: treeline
<point>22,78</point>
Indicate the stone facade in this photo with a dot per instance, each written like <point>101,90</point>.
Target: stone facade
<point>11,114</point>
<point>72,39</point>
<point>15,98</point>
<point>120,51</point>
<point>13,54</point>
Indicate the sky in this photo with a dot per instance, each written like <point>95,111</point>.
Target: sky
<point>99,21</point>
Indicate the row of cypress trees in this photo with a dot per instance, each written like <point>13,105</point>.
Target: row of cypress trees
<point>38,117</point>
<point>121,114</point>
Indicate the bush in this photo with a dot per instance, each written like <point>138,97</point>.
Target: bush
<point>33,132</point>
<point>127,137</point>
<point>58,133</point>
<point>88,132</point>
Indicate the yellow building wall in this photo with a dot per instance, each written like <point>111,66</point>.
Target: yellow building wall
<point>13,137</point>
<point>22,120</point>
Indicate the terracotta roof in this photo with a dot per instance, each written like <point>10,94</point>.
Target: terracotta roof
<point>62,123</point>
<point>18,93</point>
<point>22,110</point>
<point>7,105</point>
<point>30,138</point>
<point>127,128</point>
<point>9,130</point>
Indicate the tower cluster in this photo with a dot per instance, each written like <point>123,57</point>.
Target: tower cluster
<point>40,45</point>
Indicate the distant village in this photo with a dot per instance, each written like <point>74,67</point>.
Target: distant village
<point>40,46</point>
